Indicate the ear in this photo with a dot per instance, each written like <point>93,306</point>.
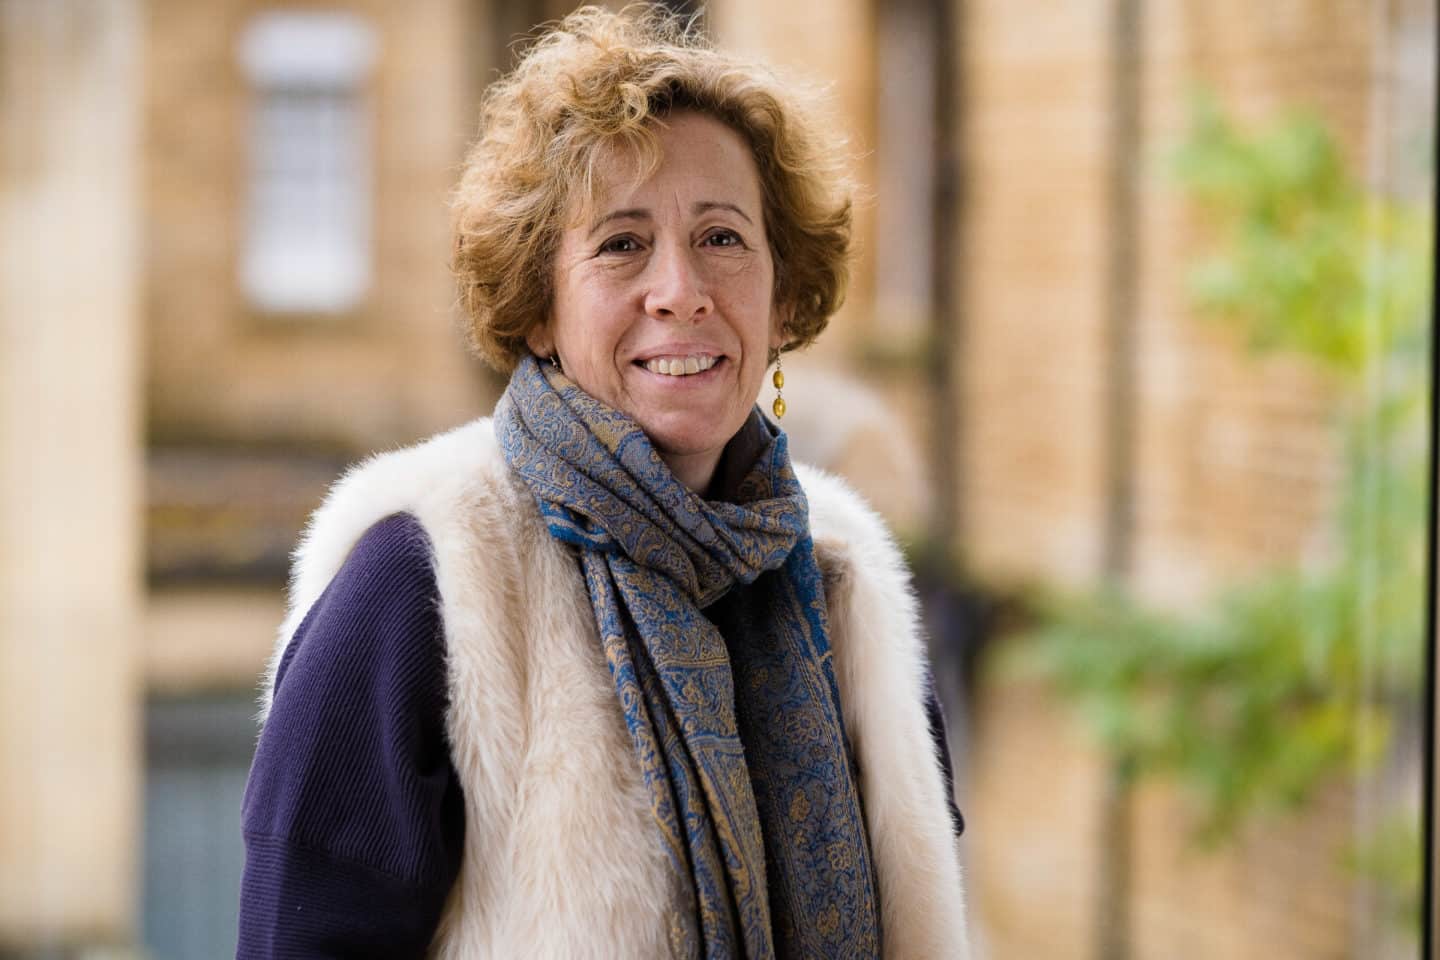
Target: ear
<point>779,325</point>
<point>540,340</point>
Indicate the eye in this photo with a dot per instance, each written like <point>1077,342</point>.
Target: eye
<point>723,238</point>
<point>624,243</point>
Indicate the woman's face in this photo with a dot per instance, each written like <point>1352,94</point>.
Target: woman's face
<point>663,293</point>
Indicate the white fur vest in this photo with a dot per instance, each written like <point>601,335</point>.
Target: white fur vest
<point>562,858</point>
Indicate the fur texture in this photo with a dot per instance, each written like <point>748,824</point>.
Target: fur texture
<point>562,858</point>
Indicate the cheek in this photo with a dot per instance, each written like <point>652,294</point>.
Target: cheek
<point>585,310</point>
<point>752,300</point>
<point>588,342</point>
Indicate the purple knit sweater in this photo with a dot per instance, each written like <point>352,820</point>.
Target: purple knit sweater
<point>353,816</point>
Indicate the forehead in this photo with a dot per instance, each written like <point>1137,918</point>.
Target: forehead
<point>690,156</point>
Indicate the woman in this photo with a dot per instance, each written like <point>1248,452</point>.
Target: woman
<point>606,676</point>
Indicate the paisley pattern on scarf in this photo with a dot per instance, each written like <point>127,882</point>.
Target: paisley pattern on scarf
<point>741,746</point>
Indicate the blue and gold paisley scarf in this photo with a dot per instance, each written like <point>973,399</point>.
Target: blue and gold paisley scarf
<point>712,619</point>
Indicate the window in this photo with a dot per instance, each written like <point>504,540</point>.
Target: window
<point>307,222</point>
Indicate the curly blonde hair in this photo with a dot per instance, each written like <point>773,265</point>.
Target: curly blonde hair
<point>598,78</point>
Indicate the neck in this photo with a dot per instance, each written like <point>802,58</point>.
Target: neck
<point>695,470</point>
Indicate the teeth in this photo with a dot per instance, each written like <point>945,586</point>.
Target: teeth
<point>680,366</point>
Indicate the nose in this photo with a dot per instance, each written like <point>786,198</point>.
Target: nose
<point>676,290</point>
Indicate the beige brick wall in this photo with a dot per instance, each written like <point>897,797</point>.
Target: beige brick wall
<point>1281,891</point>
<point>1031,821</point>
<point>390,371</point>
<point>1034,129</point>
<point>1234,458</point>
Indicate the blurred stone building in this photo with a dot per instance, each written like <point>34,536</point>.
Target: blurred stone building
<point>225,243</point>
<point>1109,434</point>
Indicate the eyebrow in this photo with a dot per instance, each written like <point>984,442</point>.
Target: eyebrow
<point>640,213</point>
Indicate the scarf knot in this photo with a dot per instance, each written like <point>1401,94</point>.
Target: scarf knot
<point>607,490</point>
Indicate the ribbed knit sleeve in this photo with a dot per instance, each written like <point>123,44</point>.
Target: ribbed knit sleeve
<point>935,715</point>
<point>353,816</point>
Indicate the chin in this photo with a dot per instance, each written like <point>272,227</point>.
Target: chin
<point>688,434</point>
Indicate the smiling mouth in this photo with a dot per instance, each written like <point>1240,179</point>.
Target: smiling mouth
<point>680,366</point>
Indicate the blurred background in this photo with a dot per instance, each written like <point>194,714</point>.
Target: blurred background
<point>1135,362</point>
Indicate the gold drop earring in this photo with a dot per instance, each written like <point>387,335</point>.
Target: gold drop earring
<point>779,380</point>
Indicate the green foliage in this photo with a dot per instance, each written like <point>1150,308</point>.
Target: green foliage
<point>1251,704</point>
<point>1271,691</point>
<point>1306,260</point>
